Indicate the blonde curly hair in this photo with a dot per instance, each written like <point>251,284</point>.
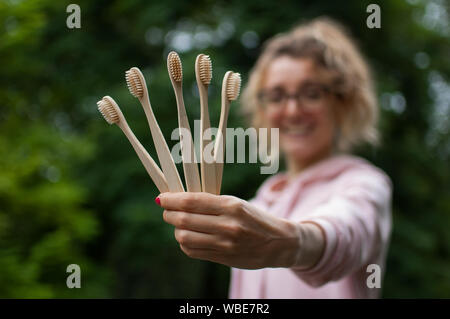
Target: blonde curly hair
<point>329,45</point>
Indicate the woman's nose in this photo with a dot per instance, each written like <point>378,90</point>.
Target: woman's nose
<point>293,107</point>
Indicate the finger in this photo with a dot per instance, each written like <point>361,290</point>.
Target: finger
<point>205,254</point>
<point>201,203</point>
<point>208,224</point>
<point>192,239</point>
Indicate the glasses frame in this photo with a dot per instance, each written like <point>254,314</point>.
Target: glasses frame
<point>299,97</point>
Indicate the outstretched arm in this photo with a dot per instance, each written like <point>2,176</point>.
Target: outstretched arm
<point>231,231</point>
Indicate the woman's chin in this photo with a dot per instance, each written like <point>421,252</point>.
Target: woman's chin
<point>298,145</point>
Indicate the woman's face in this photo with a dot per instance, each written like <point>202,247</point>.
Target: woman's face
<point>297,100</point>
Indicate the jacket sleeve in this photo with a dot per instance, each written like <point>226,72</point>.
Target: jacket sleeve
<point>356,223</point>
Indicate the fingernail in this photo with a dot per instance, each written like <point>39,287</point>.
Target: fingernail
<point>158,201</point>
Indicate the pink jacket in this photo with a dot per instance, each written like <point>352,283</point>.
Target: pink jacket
<point>350,199</point>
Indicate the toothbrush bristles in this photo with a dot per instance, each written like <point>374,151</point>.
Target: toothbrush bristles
<point>233,86</point>
<point>134,83</point>
<point>205,69</point>
<point>175,67</point>
<point>107,109</point>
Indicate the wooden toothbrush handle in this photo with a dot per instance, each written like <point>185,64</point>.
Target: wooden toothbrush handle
<point>152,168</point>
<point>190,167</point>
<point>220,145</point>
<point>165,158</point>
<point>208,170</point>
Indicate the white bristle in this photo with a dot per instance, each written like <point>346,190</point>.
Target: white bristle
<point>205,69</point>
<point>233,86</point>
<point>134,83</point>
<point>106,108</point>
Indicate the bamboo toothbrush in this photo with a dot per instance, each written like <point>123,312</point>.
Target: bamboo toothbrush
<point>190,167</point>
<point>113,115</point>
<point>138,88</point>
<point>203,74</point>
<point>231,86</point>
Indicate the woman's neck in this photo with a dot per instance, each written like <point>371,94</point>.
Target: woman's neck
<point>296,166</point>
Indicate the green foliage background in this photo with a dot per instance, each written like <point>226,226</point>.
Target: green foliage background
<point>73,191</point>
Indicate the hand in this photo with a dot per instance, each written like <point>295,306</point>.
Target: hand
<point>230,231</point>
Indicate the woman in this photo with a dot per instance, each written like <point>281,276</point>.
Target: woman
<point>311,231</point>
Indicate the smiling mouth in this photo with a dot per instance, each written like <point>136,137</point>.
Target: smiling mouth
<point>298,130</point>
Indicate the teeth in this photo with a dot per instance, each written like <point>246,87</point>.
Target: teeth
<point>298,129</point>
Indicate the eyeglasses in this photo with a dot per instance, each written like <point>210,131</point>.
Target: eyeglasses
<point>309,96</point>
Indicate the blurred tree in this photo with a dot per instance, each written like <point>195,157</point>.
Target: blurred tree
<point>73,191</point>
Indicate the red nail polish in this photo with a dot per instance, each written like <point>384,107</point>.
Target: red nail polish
<point>158,201</point>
